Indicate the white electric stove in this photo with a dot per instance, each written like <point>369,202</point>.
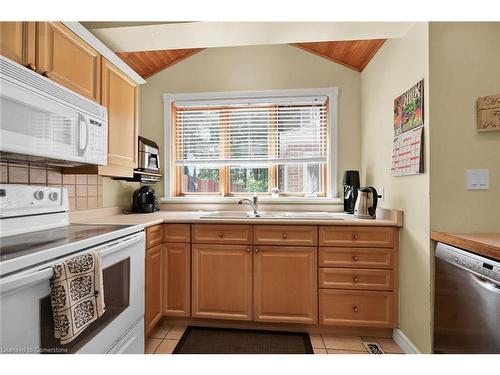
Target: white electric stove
<point>35,234</point>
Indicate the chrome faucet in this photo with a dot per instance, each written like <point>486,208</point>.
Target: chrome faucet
<point>254,203</point>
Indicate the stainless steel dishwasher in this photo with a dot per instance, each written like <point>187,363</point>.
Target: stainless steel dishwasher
<point>467,302</point>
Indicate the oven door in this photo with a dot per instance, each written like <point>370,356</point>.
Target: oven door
<point>26,314</point>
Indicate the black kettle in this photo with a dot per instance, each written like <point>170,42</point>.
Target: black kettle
<point>145,200</point>
<point>366,203</point>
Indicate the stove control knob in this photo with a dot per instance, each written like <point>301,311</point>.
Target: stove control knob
<point>38,195</point>
<point>455,259</point>
<point>53,196</point>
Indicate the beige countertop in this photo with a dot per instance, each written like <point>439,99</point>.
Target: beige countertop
<point>114,216</point>
<point>487,244</point>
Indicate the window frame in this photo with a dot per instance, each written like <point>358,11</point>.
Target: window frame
<point>173,174</point>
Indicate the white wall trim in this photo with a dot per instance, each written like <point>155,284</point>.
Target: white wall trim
<point>100,47</point>
<point>404,342</point>
<point>331,92</point>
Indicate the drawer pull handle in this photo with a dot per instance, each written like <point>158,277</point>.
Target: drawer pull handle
<point>355,309</point>
<point>256,250</point>
<point>46,74</point>
<point>355,279</point>
<point>355,258</point>
<point>355,236</point>
<point>31,66</point>
<point>284,236</point>
<point>247,249</point>
<point>220,234</point>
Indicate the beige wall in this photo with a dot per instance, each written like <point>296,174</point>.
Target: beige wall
<point>257,68</point>
<point>398,65</point>
<point>464,64</point>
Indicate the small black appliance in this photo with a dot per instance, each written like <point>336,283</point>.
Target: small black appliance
<point>145,200</point>
<point>351,186</point>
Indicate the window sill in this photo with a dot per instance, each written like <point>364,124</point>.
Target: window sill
<point>262,200</point>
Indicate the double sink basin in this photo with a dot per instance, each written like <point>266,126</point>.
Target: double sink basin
<point>273,215</point>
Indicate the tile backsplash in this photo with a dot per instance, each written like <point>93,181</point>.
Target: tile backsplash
<point>84,190</point>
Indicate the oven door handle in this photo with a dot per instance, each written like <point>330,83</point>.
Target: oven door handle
<point>14,282</point>
<point>117,245</point>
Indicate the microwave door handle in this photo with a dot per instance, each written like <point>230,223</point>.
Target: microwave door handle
<point>83,136</point>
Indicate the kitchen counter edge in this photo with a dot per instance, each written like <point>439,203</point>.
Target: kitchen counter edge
<point>479,243</point>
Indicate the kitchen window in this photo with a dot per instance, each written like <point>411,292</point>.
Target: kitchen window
<point>231,144</point>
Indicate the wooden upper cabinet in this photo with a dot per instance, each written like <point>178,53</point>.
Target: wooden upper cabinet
<point>285,284</point>
<point>221,282</point>
<point>153,287</point>
<point>68,60</point>
<point>17,42</point>
<point>120,96</point>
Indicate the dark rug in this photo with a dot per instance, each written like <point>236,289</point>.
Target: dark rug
<point>203,340</point>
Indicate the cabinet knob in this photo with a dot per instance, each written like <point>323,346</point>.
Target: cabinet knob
<point>355,279</point>
<point>284,236</point>
<point>355,236</point>
<point>247,249</point>
<point>46,74</point>
<point>31,66</point>
<point>355,258</point>
<point>256,250</point>
<point>220,234</point>
<point>355,309</point>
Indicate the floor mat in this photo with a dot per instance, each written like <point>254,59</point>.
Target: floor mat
<point>203,340</point>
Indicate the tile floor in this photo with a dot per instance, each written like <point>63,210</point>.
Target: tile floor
<point>331,344</point>
<point>164,338</point>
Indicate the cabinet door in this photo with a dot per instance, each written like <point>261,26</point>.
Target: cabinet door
<point>120,96</point>
<point>66,59</point>
<point>221,281</point>
<point>17,42</point>
<point>285,284</point>
<point>176,279</point>
<point>154,275</point>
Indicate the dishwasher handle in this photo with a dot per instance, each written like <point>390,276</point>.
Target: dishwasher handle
<point>486,284</point>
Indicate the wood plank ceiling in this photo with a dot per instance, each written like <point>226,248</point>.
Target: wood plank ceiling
<point>147,63</point>
<point>355,54</point>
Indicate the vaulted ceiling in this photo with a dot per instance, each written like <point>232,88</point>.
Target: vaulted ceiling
<point>355,54</point>
<point>147,63</point>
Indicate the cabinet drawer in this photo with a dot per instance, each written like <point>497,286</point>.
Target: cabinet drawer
<point>176,233</point>
<point>285,235</point>
<point>228,234</point>
<point>356,308</point>
<point>154,236</point>
<point>355,257</point>
<point>345,278</point>
<point>356,236</point>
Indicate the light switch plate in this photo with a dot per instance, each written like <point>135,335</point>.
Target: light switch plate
<point>478,179</point>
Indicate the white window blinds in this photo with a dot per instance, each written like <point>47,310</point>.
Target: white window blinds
<point>260,132</point>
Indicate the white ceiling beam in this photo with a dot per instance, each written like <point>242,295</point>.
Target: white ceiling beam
<point>232,34</point>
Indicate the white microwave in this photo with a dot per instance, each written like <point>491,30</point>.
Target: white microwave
<point>44,120</point>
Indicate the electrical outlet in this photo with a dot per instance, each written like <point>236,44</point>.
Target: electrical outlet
<point>381,192</point>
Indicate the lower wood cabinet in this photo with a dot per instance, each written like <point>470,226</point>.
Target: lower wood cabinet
<point>153,293</point>
<point>356,308</point>
<point>285,287</point>
<point>221,286</point>
<point>176,279</point>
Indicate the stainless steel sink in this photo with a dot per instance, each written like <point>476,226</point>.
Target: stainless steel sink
<point>273,215</point>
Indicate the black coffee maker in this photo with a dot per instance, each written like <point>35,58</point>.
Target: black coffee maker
<point>351,186</point>
<point>145,200</point>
